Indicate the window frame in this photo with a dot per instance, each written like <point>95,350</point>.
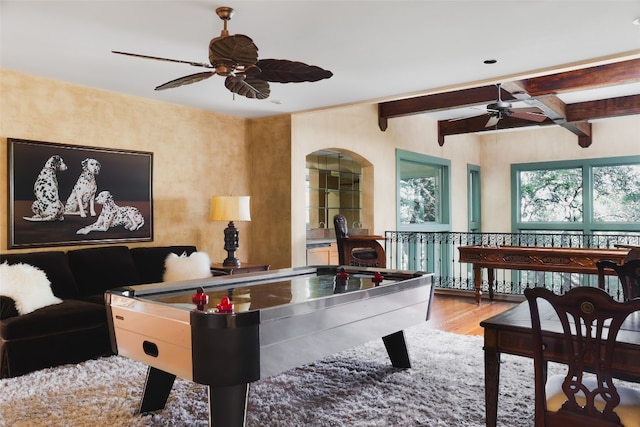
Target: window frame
<point>474,199</point>
<point>587,225</point>
<point>445,191</point>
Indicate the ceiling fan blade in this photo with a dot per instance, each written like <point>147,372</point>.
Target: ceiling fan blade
<point>157,58</point>
<point>192,78</point>
<point>457,119</point>
<point>525,115</point>
<point>285,71</point>
<point>526,110</point>
<point>250,87</point>
<point>493,120</point>
<point>238,48</point>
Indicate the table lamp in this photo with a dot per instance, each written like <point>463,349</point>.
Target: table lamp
<point>230,208</point>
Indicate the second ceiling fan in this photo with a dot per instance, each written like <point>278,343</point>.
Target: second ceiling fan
<point>236,58</point>
<point>501,109</point>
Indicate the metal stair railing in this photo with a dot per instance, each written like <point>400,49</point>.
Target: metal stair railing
<point>437,252</point>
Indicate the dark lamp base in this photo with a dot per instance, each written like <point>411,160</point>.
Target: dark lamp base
<point>231,238</point>
<point>231,262</point>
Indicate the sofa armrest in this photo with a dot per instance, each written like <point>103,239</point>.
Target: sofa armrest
<point>7,308</point>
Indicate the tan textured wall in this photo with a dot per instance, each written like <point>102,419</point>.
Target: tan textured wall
<point>197,154</point>
<point>270,166</point>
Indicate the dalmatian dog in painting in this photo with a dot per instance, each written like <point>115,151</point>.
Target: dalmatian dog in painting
<point>113,215</point>
<point>82,196</point>
<point>47,206</point>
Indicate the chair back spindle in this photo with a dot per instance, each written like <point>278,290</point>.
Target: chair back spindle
<point>586,395</point>
<point>628,273</point>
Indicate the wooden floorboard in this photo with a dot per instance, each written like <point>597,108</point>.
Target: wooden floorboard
<point>461,315</point>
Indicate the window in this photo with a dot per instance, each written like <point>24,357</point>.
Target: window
<point>473,189</point>
<point>551,195</point>
<point>423,192</point>
<point>590,196</point>
<point>616,193</point>
<point>422,186</point>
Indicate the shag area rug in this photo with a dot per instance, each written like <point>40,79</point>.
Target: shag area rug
<point>359,387</point>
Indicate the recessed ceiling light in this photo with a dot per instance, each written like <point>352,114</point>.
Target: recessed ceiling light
<point>636,21</point>
<point>490,61</point>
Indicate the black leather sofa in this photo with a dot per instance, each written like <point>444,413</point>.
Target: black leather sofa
<point>76,329</point>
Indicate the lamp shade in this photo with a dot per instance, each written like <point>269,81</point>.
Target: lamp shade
<point>230,208</point>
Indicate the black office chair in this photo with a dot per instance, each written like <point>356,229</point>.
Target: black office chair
<point>363,251</point>
<point>628,273</point>
<point>579,398</point>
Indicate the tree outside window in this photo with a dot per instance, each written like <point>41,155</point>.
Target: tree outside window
<point>551,195</point>
<point>616,193</point>
<point>592,196</point>
<point>423,192</point>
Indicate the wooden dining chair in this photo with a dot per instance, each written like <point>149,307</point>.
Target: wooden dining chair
<point>587,395</point>
<point>363,251</point>
<point>628,273</point>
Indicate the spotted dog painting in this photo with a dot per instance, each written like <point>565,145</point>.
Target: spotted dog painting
<point>69,194</point>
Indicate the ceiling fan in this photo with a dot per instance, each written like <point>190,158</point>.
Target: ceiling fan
<point>236,58</point>
<point>501,109</point>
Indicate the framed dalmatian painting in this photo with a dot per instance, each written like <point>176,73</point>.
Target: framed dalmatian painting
<point>76,195</point>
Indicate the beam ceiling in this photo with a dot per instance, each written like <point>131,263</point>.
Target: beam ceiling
<point>540,92</point>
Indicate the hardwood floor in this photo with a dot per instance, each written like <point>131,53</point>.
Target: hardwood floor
<point>461,315</point>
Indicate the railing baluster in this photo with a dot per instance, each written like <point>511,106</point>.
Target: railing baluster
<point>437,252</point>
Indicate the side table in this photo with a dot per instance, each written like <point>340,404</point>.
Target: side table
<point>244,268</point>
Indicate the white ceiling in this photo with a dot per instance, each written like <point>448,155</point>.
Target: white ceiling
<point>377,50</point>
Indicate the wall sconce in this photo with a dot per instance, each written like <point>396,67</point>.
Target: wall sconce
<point>230,208</point>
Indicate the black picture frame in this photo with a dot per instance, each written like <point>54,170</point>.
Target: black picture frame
<point>35,218</point>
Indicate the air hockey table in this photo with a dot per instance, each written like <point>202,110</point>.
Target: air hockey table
<point>228,331</point>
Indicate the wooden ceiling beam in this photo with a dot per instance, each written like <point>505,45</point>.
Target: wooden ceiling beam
<point>573,117</point>
<point>537,91</point>
<point>603,108</point>
<point>478,124</point>
<point>617,73</point>
<point>583,130</point>
<point>623,72</point>
<point>438,102</point>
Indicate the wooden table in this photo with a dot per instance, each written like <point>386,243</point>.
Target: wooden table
<point>565,260</point>
<point>243,268</point>
<point>510,332</point>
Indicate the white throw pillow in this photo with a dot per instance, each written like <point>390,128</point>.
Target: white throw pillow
<point>27,285</point>
<point>183,267</point>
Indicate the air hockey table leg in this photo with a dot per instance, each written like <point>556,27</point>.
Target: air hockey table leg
<point>397,350</point>
<point>156,390</point>
<point>228,405</point>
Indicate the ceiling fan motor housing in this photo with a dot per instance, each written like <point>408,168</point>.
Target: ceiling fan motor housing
<point>502,106</point>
